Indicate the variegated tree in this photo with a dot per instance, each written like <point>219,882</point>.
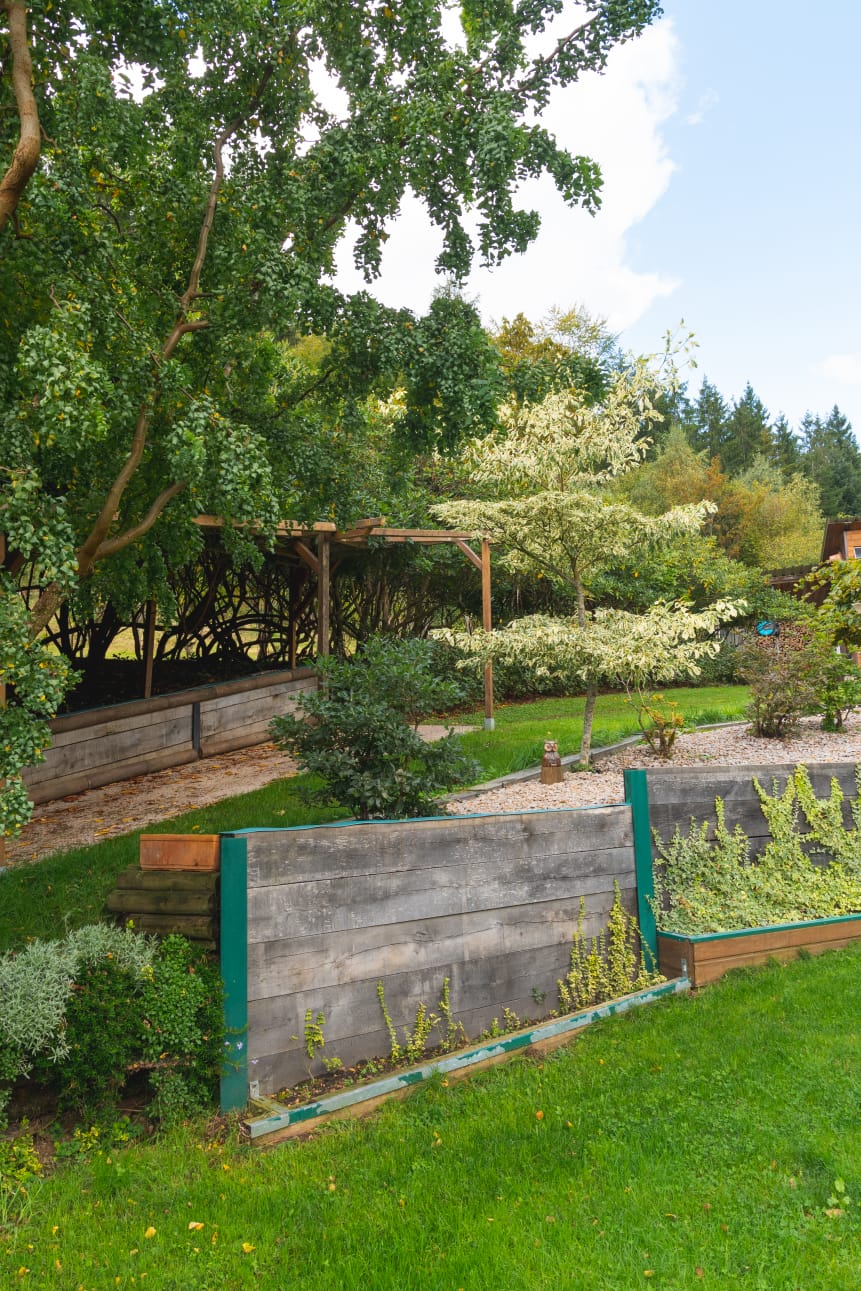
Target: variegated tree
<point>548,474</point>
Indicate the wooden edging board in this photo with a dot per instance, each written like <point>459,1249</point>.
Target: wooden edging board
<point>281,1123</point>
<point>705,957</point>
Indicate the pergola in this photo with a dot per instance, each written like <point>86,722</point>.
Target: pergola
<point>318,545</point>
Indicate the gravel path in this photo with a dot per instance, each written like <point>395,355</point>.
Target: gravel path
<point>723,746</point>
<point>130,805</point>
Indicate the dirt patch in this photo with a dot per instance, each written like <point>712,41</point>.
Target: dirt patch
<point>129,805</point>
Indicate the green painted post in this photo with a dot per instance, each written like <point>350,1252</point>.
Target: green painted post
<point>637,794</point>
<point>234,971</point>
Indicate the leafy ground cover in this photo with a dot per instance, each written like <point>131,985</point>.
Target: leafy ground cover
<point>68,890</point>
<point>705,1142</point>
<point>521,729</point>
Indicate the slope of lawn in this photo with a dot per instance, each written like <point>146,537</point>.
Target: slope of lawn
<point>65,891</point>
<point>521,728</point>
<point>709,1142</point>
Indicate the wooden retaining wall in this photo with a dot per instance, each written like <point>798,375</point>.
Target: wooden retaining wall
<point>677,794</point>
<point>102,745</point>
<point>490,902</point>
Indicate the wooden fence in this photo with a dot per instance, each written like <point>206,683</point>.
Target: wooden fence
<point>102,745</point>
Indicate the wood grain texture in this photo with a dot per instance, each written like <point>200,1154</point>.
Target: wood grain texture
<point>179,851</point>
<point>491,903</point>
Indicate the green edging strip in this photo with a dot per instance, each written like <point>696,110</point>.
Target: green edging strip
<point>234,971</point>
<point>637,796</point>
<point>458,1062</point>
<point>753,932</point>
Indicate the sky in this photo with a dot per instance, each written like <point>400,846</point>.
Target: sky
<point>728,140</point>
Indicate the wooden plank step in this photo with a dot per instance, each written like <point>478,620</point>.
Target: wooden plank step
<point>131,901</point>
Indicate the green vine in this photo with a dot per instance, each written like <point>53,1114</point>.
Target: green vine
<point>612,964</point>
<point>709,883</point>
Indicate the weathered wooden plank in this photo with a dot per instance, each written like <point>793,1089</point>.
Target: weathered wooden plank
<point>352,1009</point>
<point>119,725</point>
<point>198,694</point>
<point>48,790</point>
<point>668,784</point>
<point>366,954</point>
<point>134,901</point>
<point>167,880</point>
<point>354,1029</point>
<point>88,753</point>
<point>342,851</point>
<point>194,926</point>
<point>272,694</point>
<point>246,710</point>
<point>293,910</point>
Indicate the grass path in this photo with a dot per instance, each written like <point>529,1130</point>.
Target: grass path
<point>696,1143</point>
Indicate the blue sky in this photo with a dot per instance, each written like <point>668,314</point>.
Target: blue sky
<point>728,139</point>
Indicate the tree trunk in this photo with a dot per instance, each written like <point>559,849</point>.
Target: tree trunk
<point>588,714</point>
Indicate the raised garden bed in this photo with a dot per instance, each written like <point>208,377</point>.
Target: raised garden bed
<point>705,957</point>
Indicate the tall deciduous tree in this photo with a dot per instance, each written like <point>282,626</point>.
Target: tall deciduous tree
<point>174,183</point>
<point>549,475</point>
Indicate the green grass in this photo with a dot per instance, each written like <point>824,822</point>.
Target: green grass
<point>62,892</point>
<point>521,729</point>
<point>65,891</point>
<point>692,1144</point>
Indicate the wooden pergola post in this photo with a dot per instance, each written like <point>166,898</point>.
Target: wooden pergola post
<point>324,549</point>
<point>149,647</point>
<point>487,623</point>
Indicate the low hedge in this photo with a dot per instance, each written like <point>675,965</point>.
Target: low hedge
<point>80,1015</point>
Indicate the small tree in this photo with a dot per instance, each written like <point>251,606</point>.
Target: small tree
<point>550,471</point>
<point>359,732</point>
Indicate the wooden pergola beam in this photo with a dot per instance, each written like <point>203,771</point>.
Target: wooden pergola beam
<point>327,535</point>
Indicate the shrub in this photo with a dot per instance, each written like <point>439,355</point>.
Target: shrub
<point>784,675</point>
<point>183,1028</point>
<point>78,1014</point>
<point>358,732</point>
<point>101,1038</point>
<point>710,884</point>
<point>838,690</point>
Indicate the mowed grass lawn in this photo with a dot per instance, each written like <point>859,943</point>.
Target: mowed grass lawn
<point>708,1142</point>
<point>65,891</point>
<point>521,728</point>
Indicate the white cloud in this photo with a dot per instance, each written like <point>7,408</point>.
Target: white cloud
<point>705,104</point>
<point>615,119</point>
<point>845,368</point>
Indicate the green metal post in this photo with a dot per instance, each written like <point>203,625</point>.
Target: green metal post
<point>234,971</point>
<point>637,795</point>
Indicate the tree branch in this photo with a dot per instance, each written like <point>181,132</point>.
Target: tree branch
<point>26,155</point>
<point>143,526</point>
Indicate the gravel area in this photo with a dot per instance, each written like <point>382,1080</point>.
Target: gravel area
<point>723,746</point>
<point>130,805</point>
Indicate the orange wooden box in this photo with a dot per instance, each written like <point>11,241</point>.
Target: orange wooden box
<point>179,852</point>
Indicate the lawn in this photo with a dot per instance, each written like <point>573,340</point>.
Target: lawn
<point>702,1142</point>
<point>521,728</point>
<point>69,889</point>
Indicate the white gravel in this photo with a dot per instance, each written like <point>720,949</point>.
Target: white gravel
<point>724,746</point>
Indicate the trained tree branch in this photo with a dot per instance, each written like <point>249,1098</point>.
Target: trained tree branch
<point>26,155</point>
<point>142,527</point>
